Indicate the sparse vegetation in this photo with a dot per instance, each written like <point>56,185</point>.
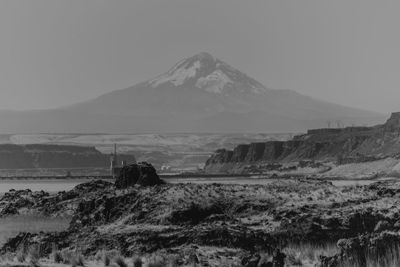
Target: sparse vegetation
<point>73,257</point>
<point>156,261</point>
<point>306,254</point>
<point>34,255</point>
<point>293,259</point>
<point>56,255</point>
<point>21,255</point>
<point>137,261</point>
<point>390,257</point>
<point>297,254</point>
<point>77,260</point>
<point>120,261</point>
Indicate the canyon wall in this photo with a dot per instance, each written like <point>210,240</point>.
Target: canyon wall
<point>341,145</point>
<point>54,156</point>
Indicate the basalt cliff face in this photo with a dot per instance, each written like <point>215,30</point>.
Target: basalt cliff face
<point>53,156</point>
<point>341,145</point>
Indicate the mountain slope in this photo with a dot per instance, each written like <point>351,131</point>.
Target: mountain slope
<point>198,94</point>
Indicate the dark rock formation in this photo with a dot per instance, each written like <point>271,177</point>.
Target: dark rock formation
<point>141,173</point>
<point>341,145</point>
<point>53,156</point>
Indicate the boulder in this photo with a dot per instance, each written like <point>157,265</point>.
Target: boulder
<point>141,173</point>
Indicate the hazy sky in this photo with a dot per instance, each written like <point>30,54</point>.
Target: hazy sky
<point>55,52</point>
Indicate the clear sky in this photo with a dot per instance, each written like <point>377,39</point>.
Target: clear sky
<point>55,52</point>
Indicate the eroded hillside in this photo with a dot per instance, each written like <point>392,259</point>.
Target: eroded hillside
<point>214,223</point>
<point>339,145</point>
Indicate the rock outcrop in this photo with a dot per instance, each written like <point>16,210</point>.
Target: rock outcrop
<point>141,173</point>
<point>53,156</point>
<point>341,145</point>
<point>63,204</point>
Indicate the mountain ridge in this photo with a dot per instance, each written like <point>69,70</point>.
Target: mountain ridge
<point>198,94</point>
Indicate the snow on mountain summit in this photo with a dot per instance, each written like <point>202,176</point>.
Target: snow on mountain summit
<point>203,71</point>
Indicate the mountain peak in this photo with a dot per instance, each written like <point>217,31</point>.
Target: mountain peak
<point>204,71</point>
<point>198,94</point>
<point>204,57</point>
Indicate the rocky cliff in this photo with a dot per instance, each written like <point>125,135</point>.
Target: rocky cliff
<point>53,156</point>
<point>330,144</point>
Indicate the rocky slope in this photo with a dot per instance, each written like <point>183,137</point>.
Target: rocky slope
<point>342,145</point>
<point>232,221</point>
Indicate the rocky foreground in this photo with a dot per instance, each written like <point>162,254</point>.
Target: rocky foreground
<point>237,225</point>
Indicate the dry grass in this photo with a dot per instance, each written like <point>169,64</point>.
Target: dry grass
<point>107,256</point>
<point>297,255</point>
<point>120,262</point>
<point>156,261</point>
<point>73,257</point>
<point>308,253</point>
<point>390,258</point>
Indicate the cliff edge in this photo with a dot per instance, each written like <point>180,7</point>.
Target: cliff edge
<point>339,145</point>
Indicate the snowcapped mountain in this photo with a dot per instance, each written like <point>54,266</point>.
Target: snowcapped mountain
<point>198,94</point>
<point>205,72</point>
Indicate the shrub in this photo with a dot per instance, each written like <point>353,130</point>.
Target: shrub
<point>120,261</point>
<point>99,255</point>
<point>294,259</point>
<point>108,255</point>
<point>34,255</point>
<point>106,259</point>
<point>66,255</point>
<point>137,262</point>
<point>57,257</point>
<point>21,255</point>
<point>72,257</point>
<point>156,261</point>
<point>77,260</point>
